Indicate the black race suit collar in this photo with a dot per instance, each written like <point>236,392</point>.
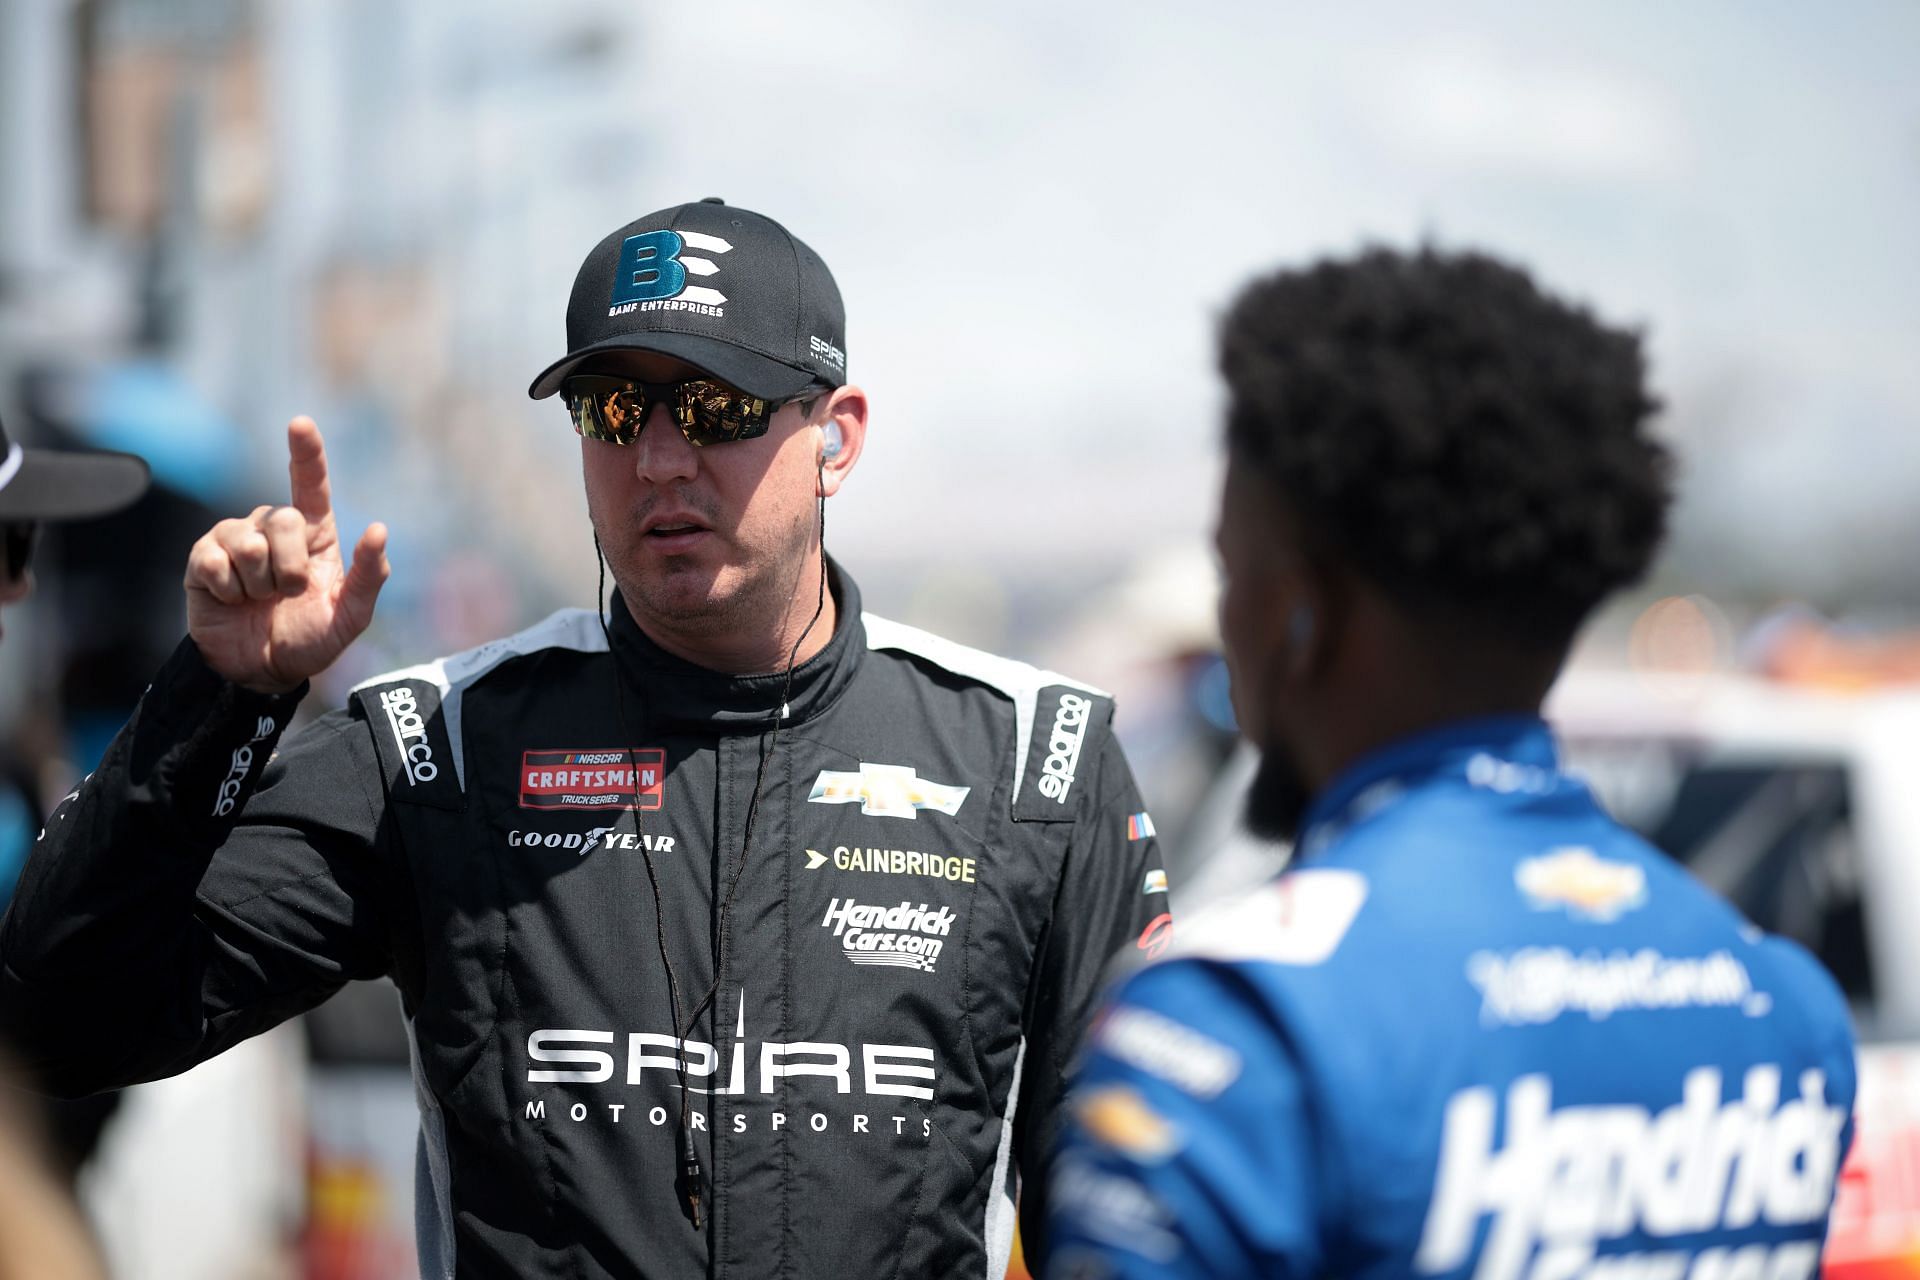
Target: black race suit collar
<point>681,696</point>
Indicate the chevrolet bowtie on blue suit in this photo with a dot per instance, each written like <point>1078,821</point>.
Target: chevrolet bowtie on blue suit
<point>1480,1029</point>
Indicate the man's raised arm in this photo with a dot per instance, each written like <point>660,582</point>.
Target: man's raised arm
<point>199,887</point>
<point>269,602</point>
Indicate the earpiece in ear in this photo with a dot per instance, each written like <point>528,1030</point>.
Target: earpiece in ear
<point>1300,628</point>
<point>830,441</point>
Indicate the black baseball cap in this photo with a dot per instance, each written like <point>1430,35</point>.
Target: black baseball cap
<point>734,294</point>
<point>46,484</point>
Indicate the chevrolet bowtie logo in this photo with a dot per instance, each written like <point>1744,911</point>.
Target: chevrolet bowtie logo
<point>886,791</point>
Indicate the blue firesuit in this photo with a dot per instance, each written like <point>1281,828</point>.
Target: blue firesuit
<point>1478,1029</point>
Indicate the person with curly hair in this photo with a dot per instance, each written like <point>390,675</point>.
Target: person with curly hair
<point>1476,1027</point>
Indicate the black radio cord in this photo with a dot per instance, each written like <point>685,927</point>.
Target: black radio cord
<point>767,746</point>
<point>691,1179</point>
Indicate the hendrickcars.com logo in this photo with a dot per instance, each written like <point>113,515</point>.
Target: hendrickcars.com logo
<point>905,936</point>
<point>602,779</point>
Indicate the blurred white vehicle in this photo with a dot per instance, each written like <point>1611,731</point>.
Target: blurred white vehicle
<point>200,1177</point>
<point>1800,804</point>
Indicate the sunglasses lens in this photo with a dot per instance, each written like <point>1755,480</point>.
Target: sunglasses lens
<point>711,413</point>
<point>614,410</point>
<point>606,409</point>
<point>19,546</point>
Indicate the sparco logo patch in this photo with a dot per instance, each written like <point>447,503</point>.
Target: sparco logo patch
<point>1063,748</point>
<point>905,936</point>
<point>602,779</point>
<point>886,791</point>
<point>409,734</point>
<point>237,769</point>
<point>1062,733</point>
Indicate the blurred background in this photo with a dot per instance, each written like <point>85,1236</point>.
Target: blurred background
<point>215,214</point>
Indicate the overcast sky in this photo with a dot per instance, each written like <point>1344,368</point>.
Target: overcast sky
<point>1036,212</point>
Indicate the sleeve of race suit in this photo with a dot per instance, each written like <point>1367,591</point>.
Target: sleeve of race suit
<point>1187,1151</point>
<point>197,888</point>
<point>1112,899</point>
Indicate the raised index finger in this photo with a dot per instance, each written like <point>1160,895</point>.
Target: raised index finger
<point>307,469</point>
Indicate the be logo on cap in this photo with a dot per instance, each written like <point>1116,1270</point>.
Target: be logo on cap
<point>731,293</point>
<point>654,266</point>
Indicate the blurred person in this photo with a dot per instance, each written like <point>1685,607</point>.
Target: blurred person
<point>736,906</point>
<point>38,487</point>
<point>1477,1027</point>
<point>41,1234</point>
<point>42,485</point>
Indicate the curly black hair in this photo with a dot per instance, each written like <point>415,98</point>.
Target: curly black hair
<point>1465,440</point>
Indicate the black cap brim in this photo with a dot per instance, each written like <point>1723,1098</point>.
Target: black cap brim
<point>749,371</point>
<point>53,485</point>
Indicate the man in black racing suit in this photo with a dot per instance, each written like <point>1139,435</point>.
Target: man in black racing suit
<point>739,908</point>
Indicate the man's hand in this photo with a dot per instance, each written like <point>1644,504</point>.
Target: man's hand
<point>269,602</point>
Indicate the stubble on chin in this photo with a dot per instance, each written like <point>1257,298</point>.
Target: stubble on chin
<point>720,592</point>
<point>1278,798</point>
<point>687,595</point>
